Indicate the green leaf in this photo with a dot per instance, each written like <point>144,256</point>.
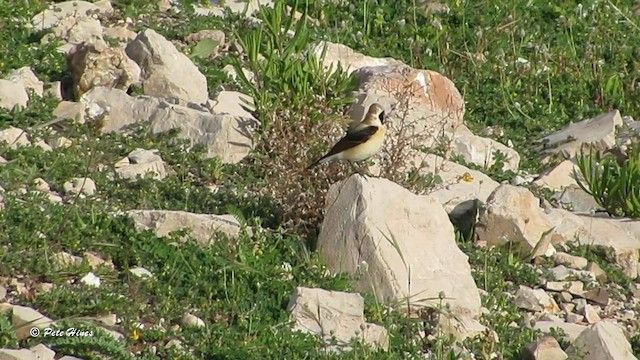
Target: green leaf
<point>204,48</point>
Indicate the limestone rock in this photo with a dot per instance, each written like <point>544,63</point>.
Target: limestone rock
<point>513,214</point>
<point>336,314</point>
<point>602,341</point>
<point>202,226</point>
<point>100,65</point>
<point>166,72</point>
<point>376,229</point>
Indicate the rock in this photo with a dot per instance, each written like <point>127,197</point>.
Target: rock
<point>189,320</point>
<point>14,137</point>
<point>602,341</point>
<point>41,185</point>
<point>559,177</point>
<point>574,318</point>
<point>55,13</point>
<point>387,254</point>
<point>247,8</point>
<point>599,296</point>
<point>597,271</point>
<point>572,331</point>
<point>202,226</point>
<point>620,234</point>
<point>572,287</point>
<point>425,99</point>
<point>83,186</point>
<point>141,162</point>
<point>514,214</point>
<point>42,352</point>
<point>574,262</point>
<point>545,348</point>
<point>590,314</point>
<point>573,198</point>
<point>74,31</point>
<point>24,318</point>
<point>481,151</point>
<point>28,79</point>
<point>12,95</point>
<point>141,272</point>
<point>121,33</point>
<point>167,73</point>
<point>350,60</point>
<point>70,110</point>
<point>535,300</point>
<point>91,280</point>
<point>228,137</point>
<point>328,314</point>
<point>462,191</point>
<point>561,272</point>
<point>3,293</point>
<point>20,354</point>
<point>95,65</point>
<point>598,132</point>
<point>95,261</point>
<point>54,90</point>
<point>115,109</point>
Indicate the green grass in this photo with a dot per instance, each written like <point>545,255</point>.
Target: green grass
<point>580,66</point>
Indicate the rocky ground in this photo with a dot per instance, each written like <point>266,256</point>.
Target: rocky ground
<point>154,202</point>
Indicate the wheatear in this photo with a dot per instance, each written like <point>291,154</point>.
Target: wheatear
<point>362,141</point>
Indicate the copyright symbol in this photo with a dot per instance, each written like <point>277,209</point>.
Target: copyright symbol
<point>34,332</point>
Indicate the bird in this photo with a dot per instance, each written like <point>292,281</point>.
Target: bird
<point>362,140</point>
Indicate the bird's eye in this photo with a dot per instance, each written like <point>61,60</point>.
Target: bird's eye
<point>381,117</point>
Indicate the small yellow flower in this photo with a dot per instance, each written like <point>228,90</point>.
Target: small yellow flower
<point>135,335</point>
<point>466,177</point>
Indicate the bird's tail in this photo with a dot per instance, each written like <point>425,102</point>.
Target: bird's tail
<point>317,162</point>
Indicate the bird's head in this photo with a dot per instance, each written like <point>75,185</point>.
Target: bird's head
<point>376,112</point>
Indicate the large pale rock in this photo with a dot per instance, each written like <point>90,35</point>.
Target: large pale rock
<point>598,132</point>
<point>14,137</point>
<point>28,79</point>
<point>245,7</point>
<point>74,31</point>
<point>226,136</point>
<point>95,65</point>
<point>17,354</point>
<point>575,199</point>
<point>55,13</point>
<point>12,94</point>
<point>546,348</point>
<point>482,151</point>
<point>116,109</point>
<point>24,318</point>
<point>167,73</point>
<point>201,226</point>
<point>379,230</point>
<point>559,177</point>
<point>328,314</point>
<point>423,99</point>
<point>602,341</point>
<point>462,189</point>
<point>349,59</point>
<point>82,186</point>
<point>513,214</point>
<point>535,300</point>
<point>622,235</point>
<point>572,331</point>
<point>70,110</point>
<point>141,162</point>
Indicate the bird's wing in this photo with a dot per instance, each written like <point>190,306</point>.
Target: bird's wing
<point>352,140</point>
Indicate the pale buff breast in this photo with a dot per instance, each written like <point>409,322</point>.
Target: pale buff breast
<point>365,150</point>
